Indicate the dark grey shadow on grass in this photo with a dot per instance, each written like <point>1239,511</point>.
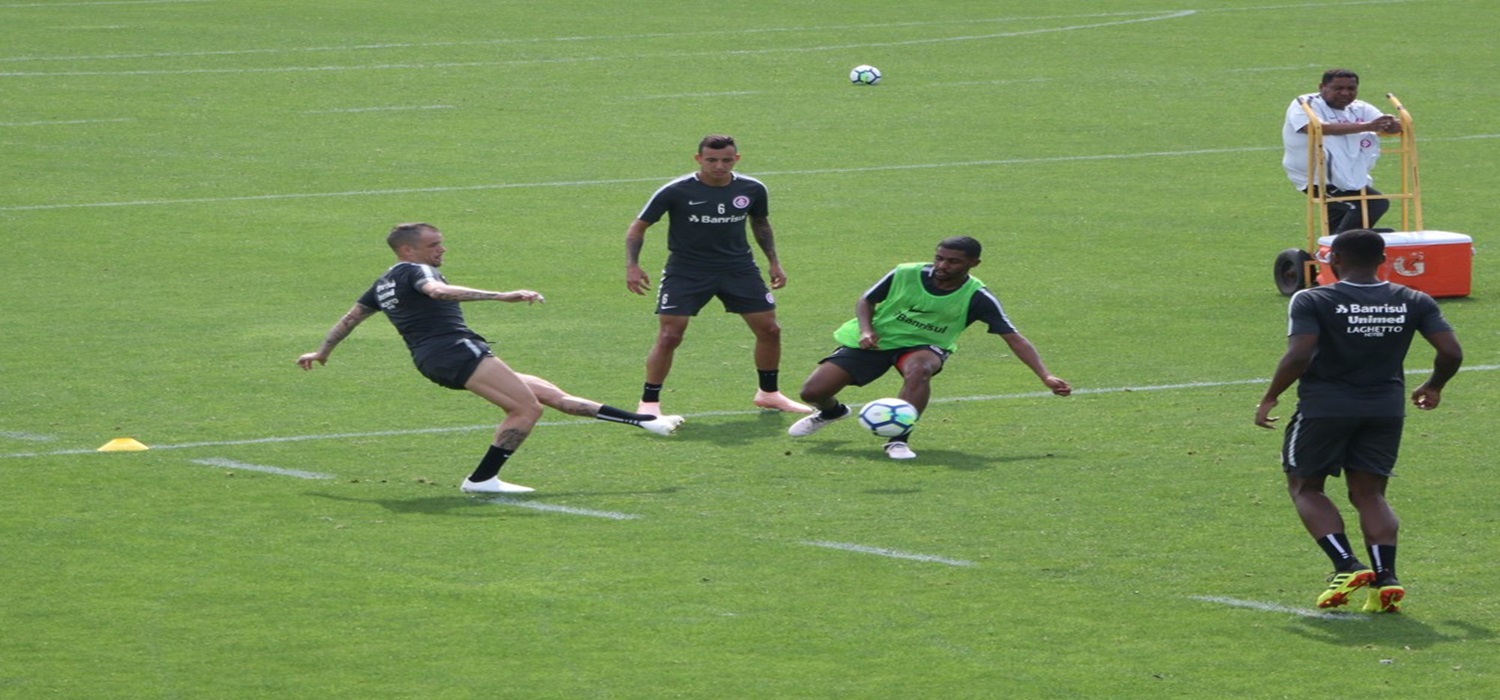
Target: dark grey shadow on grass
<point>1401,630</point>
<point>729,431</point>
<point>457,504</point>
<point>927,457</point>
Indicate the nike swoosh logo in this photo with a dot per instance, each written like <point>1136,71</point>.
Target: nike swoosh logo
<point>691,203</point>
<point>664,308</point>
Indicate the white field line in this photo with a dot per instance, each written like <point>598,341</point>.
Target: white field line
<point>67,122</point>
<point>583,422</point>
<point>968,22</point>
<point>660,178</point>
<point>12,6</point>
<point>351,110</point>
<point>441,65</point>
<point>27,437</point>
<point>231,464</point>
<point>879,551</point>
<point>634,180</point>
<point>1273,607</point>
<point>597,38</point>
<point>505,501</point>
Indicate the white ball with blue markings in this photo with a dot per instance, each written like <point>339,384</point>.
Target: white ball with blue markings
<point>888,417</point>
<point>864,75</point>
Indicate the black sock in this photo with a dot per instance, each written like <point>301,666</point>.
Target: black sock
<point>489,467</point>
<point>651,393</point>
<point>1383,556</point>
<point>838,411</point>
<point>619,415</point>
<point>768,380</point>
<point>1336,546</point>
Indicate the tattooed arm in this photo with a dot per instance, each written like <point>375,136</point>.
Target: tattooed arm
<point>452,292</point>
<point>346,325</point>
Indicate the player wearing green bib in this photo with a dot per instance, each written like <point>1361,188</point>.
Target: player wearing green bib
<point>911,320</point>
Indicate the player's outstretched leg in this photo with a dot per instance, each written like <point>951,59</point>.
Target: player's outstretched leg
<point>553,397</point>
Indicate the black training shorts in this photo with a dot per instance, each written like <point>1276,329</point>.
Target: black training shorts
<point>1326,446</point>
<point>452,365</point>
<point>865,366</point>
<point>686,293</point>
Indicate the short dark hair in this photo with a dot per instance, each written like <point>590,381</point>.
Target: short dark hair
<point>966,244</point>
<point>407,234</point>
<point>1360,247</point>
<point>716,141</point>
<point>1332,73</point>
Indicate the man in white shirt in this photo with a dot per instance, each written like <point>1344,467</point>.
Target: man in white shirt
<point>1351,146</point>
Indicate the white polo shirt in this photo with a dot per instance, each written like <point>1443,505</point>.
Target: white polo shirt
<point>1349,157</point>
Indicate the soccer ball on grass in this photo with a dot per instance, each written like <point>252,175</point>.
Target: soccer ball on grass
<point>864,75</point>
<point>888,417</point>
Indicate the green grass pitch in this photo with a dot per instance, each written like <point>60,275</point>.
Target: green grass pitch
<point>196,189</point>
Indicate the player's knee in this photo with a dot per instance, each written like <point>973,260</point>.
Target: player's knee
<point>770,332</point>
<point>528,411</point>
<point>668,338</point>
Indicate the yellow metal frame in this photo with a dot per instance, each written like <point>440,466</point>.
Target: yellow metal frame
<point>1410,194</point>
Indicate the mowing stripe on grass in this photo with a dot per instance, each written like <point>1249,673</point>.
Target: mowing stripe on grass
<point>1272,607</point>
<point>28,437</point>
<point>878,551</point>
<point>579,422</point>
<point>548,507</point>
<point>231,464</point>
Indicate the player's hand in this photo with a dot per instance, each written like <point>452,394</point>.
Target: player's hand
<point>869,341</point>
<point>1263,417</point>
<point>1426,398</point>
<point>1057,385</point>
<point>778,276</point>
<point>307,359</point>
<point>636,279</point>
<point>525,295</point>
<point>1387,124</point>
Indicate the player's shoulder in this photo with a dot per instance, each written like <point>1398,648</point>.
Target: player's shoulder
<point>747,179</point>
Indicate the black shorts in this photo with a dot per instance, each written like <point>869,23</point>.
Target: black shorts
<point>452,366</point>
<point>686,293</point>
<point>1326,446</point>
<point>866,366</point>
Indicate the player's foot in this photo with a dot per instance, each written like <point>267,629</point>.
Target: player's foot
<point>900,450</point>
<point>649,408</point>
<point>815,422</point>
<point>776,401</point>
<point>493,485</point>
<point>665,425</point>
<point>1341,584</point>
<point>1385,599</point>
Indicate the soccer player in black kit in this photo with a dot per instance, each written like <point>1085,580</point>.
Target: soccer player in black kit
<point>1346,346</point>
<point>710,257</point>
<point>423,307</point>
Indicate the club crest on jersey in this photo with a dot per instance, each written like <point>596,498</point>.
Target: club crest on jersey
<point>742,202</point>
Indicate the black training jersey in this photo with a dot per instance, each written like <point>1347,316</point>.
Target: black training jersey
<point>983,306</point>
<point>1364,331</point>
<point>426,324</point>
<point>707,227</point>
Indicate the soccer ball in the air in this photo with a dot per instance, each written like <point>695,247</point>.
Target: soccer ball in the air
<point>864,75</point>
<point>888,417</point>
